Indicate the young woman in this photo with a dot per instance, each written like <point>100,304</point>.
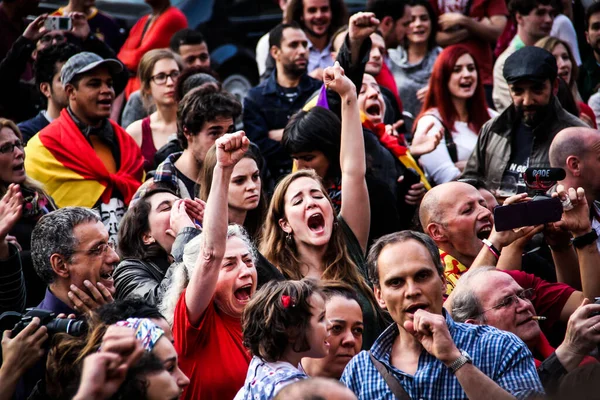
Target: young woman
<point>568,71</point>
<point>211,288</point>
<point>342,310</point>
<point>283,323</point>
<point>412,62</point>
<point>246,200</point>
<point>146,237</point>
<point>36,203</point>
<point>303,237</point>
<point>455,102</point>
<point>158,72</point>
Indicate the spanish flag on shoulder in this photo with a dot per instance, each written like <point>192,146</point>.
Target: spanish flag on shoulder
<point>61,158</point>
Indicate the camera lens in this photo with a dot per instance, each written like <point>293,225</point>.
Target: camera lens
<point>72,327</point>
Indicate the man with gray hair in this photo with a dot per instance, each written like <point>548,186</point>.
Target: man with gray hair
<point>486,296</point>
<point>424,353</point>
<point>71,252</point>
<point>577,151</point>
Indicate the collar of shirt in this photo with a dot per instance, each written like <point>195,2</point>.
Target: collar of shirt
<point>271,85</point>
<point>319,58</point>
<point>54,304</point>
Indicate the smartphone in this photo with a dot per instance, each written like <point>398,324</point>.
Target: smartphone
<point>527,214</point>
<point>58,24</point>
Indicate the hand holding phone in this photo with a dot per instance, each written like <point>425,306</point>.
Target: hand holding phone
<point>58,23</point>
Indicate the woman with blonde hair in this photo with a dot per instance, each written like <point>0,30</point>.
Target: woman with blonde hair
<point>36,202</point>
<point>158,72</point>
<point>304,238</point>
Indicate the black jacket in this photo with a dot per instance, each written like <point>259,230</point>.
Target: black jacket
<point>140,278</point>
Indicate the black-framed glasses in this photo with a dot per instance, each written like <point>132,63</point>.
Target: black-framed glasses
<point>161,79</point>
<point>508,301</point>
<point>98,250</point>
<point>10,147</point>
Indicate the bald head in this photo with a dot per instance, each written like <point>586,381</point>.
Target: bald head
<point>574,141</point>
<point>438,200</point>
<point>316,389</point>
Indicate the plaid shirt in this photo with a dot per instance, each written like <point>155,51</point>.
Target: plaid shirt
<point>165,175</point>
<point>500,355</point>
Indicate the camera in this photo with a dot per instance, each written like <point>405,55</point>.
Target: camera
<point>542,209</point>
<point>47,318</point>
<point>58,24</point>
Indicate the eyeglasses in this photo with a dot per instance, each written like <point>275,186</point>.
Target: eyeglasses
<point>98,250</point>
<point>10,147</point>
<point>510,300</point>
<point>161,79</point>
<point>58,38</point>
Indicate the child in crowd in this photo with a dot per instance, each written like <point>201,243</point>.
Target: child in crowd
<point>284,322</point>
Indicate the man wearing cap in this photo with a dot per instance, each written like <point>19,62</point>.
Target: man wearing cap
<point>83,158</point>
<point>520,137</point>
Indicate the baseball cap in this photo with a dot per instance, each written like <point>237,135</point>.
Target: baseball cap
<point>86,61</point>
<point>530,63</point>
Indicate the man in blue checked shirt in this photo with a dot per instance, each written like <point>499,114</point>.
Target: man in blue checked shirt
<point>425,351</point>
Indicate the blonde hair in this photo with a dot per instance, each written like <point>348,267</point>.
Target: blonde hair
<point>146,67</point>
<point>549,43</point>
<point>182,271</point>
<point>338,264</point>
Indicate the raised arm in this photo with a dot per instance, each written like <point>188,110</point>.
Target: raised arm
<point>201,289</point>
<point>355,196</point>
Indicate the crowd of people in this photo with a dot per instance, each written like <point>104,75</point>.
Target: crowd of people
<point>331,235</point>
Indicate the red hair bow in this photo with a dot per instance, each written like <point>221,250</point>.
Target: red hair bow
<point>286,301</point>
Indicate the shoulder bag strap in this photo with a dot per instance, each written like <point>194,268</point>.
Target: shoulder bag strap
<point>449,140</point>
<point>395,386</point>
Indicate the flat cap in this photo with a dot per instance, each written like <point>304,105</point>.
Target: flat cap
<point>530,63</point>
<point>86,61</point>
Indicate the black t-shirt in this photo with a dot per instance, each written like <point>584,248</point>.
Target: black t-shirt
<point>190,185</point>
<point>519,158</point>
<point>290,94</point>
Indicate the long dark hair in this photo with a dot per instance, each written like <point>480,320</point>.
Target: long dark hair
<point>135,224</point>
<point>318,129</point>
<point>431,43</point>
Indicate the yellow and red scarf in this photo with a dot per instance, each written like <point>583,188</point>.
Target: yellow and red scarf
<point>453,269</point>
<point>66,164</point>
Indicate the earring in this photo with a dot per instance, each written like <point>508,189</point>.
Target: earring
<point>289,238</point>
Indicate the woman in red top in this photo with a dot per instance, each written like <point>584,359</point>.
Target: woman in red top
<point>158,72</point>
<point>209,291</point>
<point>152,31</point>
<point>568,71</point>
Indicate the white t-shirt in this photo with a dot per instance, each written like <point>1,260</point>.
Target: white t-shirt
<point>438,165</point>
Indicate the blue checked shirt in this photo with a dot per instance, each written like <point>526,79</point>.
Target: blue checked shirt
<point>500,355</point>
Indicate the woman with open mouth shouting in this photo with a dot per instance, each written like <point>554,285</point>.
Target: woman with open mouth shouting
<point>304,237</point>
<point>210,289</point>
<point>455,101</point>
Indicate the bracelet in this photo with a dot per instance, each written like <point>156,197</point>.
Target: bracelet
<point>492,248</point>
<point>584,240</point>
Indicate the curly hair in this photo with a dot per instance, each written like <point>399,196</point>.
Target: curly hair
<point>269,325</point>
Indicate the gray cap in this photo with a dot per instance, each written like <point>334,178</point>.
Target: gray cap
<point>86,61</point>
<point>530,63</point>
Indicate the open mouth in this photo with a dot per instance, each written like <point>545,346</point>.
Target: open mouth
<point>374,109</point>
<point>243,293</point>
<point>418,32</point>
<point>466,85</point>
<point>107,275</point>
<point>316,222</point>
<point>19,168</point>
<point>484,232</point>
<point>414,307</point>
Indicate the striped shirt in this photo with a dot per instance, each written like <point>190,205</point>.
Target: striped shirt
<point>500,355</point>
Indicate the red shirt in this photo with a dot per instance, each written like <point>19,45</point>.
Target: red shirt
<point>480,49</point>
<point>211,354</point>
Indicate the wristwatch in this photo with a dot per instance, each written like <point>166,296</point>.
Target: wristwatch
<point>584,240</point>
<point>464,358</point>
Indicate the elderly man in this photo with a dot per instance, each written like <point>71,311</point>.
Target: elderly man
<point>425,353</point>
<point>577,151</point>
<point>83,158</point>
<point>486,296</point>
<point>520,137</point>
<point>455,216</point>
